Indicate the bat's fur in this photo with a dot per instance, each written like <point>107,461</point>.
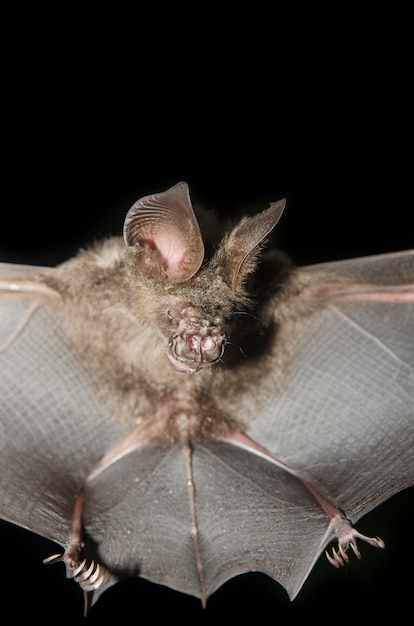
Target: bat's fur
<point>124,304</point>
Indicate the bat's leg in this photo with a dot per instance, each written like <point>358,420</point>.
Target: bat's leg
<point>88,574</point>
<point>344,532</point>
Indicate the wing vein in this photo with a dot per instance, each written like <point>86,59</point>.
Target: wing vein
<point>370,335</point>
<point>242,475</point>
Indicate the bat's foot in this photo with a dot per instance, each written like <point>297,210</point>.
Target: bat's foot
<point>347,537</point>
<point>88,574</point>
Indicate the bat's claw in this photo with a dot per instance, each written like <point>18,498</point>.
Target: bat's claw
<point>336,559</point>
<point>89,575</point>
<point>347,538</point>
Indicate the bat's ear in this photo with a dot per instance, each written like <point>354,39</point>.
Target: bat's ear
<point>245,242</point>
<point>164,227</point>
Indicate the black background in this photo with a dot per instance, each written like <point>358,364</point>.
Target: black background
<point>100,111</point>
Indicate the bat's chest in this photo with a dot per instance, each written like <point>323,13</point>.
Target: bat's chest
<point>182,415</point>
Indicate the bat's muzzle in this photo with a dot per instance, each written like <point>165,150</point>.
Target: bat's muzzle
<point>197,343</point>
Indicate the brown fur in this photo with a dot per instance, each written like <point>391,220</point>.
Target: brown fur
<point>117,309</point>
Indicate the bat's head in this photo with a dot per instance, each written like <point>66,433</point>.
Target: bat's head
<point>193,293</point>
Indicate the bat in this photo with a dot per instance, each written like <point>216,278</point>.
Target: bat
<point>183,404</point>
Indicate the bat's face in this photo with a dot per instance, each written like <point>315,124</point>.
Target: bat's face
<point>196,321</point>
<point>196,341</point>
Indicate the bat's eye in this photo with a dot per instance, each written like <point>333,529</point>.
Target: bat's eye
<point>170,314</point>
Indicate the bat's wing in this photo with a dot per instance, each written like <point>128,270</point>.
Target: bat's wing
<point>346,416</point>
<point>340,412</point>
<point>249,515</point>
<point>53,428</point>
